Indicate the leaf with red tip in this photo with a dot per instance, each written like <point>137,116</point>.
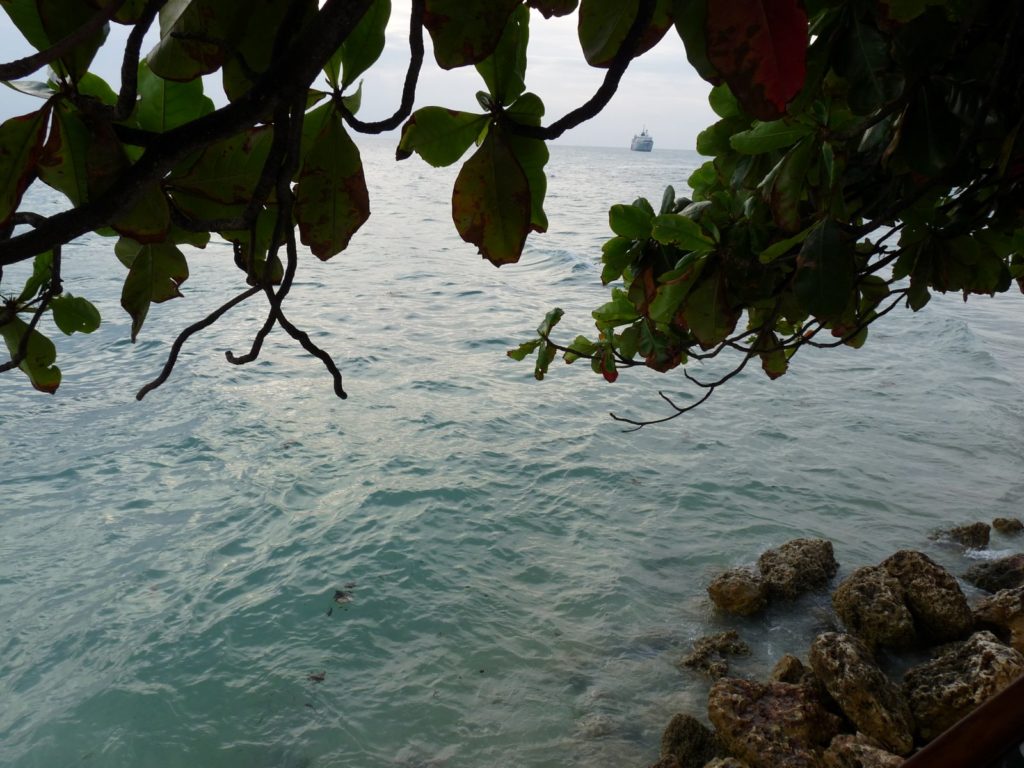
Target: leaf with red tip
<point>21,144</point>
<point>465,31</point>
<point>759,48</point>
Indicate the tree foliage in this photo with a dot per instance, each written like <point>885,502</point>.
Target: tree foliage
<point>866,154</point>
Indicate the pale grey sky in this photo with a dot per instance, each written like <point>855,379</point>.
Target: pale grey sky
<point>660,90</point>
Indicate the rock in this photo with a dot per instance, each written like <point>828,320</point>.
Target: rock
<point>1003,613</point>
<point>943,690</point>
<point>849,673</point>
<point>797,567</point>
<point>739,591</point>
<point>848,751</point>
<point>770,725</point>
<point>994,575</point>
<point>789,669</point>
<point>972,536</point>
<point>727,762</point>
<point>689,742</point>
<point>1008,525</point>
<point>709,652</point>
<point>934,598</point>
<point>666,762</point>
<point>871,603</point>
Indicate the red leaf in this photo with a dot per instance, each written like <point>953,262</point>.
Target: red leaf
<point>759,47</point>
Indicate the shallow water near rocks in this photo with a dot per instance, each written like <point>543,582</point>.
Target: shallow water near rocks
<point>524,575</point>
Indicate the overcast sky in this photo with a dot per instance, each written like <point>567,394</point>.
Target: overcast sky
<point>660,90</point>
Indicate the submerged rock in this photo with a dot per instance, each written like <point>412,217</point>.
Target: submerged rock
<point>848,751</point>
<point>1008,525</point>
<point>739,591</point>
<point>1003,613</point>
<point>849,673</point>
<point>727,762</point>
<point>709,653</point>
<point>943,690</point>
<point>972,536</point>
<point>688,742</point>
<point>797,567</point>
<point>935,600</point>
<point>994,575</point>
<point>773,724</point>
<point>872,605</point>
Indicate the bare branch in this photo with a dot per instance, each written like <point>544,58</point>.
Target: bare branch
<point>411,79</point>
<point>206,322</point>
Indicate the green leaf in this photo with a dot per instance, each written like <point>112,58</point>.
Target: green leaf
<point>253,37</point>
<point>773,251</point>
<point>525,349</point>
<point>630,221</point>
<point>42,270</point>
<point>63,164</point>
<point>690,18</point>
<point>764,137</point>
<point>227,171</point>
<point>353,101</point>
<point>580,347</point>
<point>155,273</point>
<point>773,358</point>
<point>74,314</point>
<point>619,311</point>
<point>331,201</point>
<point>504,71</point>
<point>707,314</point>
<point>545,351</point>
<point>33,88</point>
<point>532,155</point>
<point>166,104</point>
<point>824,282</point>
<point>59,19</point>
<point>604,24</point>
<point>40,355</point>
<point>723,103</point>
<point>196,36</point>
<point>362,47</point>
<point>440,136</point>
<point>465,31</point>
<point>617,254</point>
<point>681,231</point>
<point>788,185</point>
<point>21,146</point>
<point>491,202</point>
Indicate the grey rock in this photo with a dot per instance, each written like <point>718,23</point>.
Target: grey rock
<point>935,600</point>
<point>849,673</point>
<point>943,690</point>
<point>797,567</point>
<point>872,605</point>
<point>994,575</point>
<point>972,535</point>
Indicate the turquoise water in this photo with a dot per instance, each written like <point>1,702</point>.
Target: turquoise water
<point>525,575</point>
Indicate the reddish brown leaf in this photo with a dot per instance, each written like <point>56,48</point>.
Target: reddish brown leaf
<point>759,47</point>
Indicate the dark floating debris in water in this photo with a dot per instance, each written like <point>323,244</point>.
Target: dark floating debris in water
<point>330,610</point>
<point>316,677</point>
<point>342,596</point>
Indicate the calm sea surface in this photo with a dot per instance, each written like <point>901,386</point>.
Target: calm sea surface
<point>523,575</point>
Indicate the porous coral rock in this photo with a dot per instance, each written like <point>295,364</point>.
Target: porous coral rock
<point>849,751</point>
<point>871,603</point>
<point>1008,525</point>
<point>994,575</point>
<point>709,653</point>
<point>947,688</point>
<point>1003,613</point>
<point>849,673</point>
<point>738,591</point>
<point>798,566</point>
<point>689,742</point>
<point>935,600</point>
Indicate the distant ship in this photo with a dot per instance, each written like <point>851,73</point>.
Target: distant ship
<point>642,142</point>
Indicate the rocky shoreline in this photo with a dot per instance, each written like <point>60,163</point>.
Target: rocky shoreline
<point>912,658</point>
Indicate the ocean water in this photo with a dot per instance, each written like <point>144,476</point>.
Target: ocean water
<point>522,575</point>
